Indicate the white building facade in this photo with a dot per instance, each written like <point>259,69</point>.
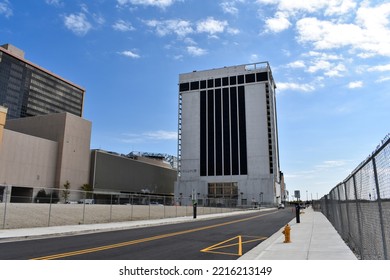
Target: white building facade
<point>228,140</point>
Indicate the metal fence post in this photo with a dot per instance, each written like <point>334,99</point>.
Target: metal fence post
<point>380,208</point>
<point>51,201</point>
<point>164,203</point>
<point>347,210</point>
<point>132,207</point>
<point>85,194</point>
<point>110,207</point>
<point>5,198</point>
<point>358,217</point>
<point>341,212</point>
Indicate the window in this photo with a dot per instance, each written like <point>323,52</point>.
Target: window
<point>223,190</point>
<point>184,87</point>
<point>218,82</point>
<point>195,85</point>
<point>262,76</point>
<point>225,81</point>
<point>240,79</point>
<point>250,78</point>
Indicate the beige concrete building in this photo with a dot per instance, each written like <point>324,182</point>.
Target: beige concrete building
<point>43,152</point>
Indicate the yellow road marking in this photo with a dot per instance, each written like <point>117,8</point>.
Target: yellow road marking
<point>212,249</point>
<point>138,241</point>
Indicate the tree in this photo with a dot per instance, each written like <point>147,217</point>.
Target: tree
<point>88,190</point>
<point>66,192</point>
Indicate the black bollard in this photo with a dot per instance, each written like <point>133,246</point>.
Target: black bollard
<point>297,210</point>
<point>194,209</point>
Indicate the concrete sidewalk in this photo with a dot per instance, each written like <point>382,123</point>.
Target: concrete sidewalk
<point>314,238</point>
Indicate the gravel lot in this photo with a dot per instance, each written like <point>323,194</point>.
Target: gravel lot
<point>27,215</point>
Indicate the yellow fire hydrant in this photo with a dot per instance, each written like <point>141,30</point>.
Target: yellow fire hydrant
<point>286,233</point>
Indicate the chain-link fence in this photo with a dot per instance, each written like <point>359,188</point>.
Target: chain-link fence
<point>359,207</point>
<point>32,207</point>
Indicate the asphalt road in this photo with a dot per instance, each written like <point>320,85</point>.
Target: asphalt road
<point>217,239</point>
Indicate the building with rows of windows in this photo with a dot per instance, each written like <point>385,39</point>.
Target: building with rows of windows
<point>27,89</point>
<point>228,139</point>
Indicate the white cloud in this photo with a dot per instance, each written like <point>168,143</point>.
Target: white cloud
<point>182,28</point>
<point>328,35</point>
<point>363,28</point>
<point>159,135</point>
<point>156,3</point>
<point>212,26</point>
<point>254,58</point>
<point>324,56</point>
<point>233,31</point>
<point>130,54</point>
<point>319,65</point>
<point>369,34</point>
<point>195,51</point>
<point>295,87</point>
<point>123,26</point>
<point>356,84</point>
<point>57,3</point>
<point>229,8</point>
<point>339,7</point>
<point>331,164</point>
<point>329,7</point>
<point>5,9</point>
<point>176,26</point>
<point>297,64</point>
<point>77,23</point>
<point>335,70</point>
<point>379,68</point>
<point>383,79</point>
<point>278,23</point>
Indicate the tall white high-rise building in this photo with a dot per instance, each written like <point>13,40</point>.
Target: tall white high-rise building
<point>228,140</point>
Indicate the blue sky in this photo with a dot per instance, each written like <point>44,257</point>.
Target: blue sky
<point>330,60</point>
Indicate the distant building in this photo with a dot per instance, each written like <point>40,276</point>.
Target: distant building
<point>228,138</point>
<point>27,89</point>
<point>113,172</point>
<point>43,152</point>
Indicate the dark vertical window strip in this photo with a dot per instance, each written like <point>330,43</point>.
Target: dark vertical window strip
<point>226,131</point>
<point>271,169</point>
<point>203,133</point>
<point>234,128</point>
<point>218,133</point>
<point>242,131</point>
<point>210,133</point>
